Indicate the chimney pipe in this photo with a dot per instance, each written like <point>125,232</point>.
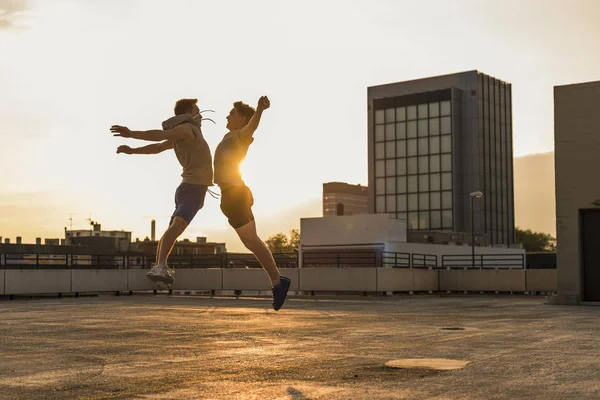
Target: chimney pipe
<point>153,230</point>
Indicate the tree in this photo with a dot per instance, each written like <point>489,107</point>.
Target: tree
<point>536,241</point>
<point>280,243</point>
<point>294,239</point>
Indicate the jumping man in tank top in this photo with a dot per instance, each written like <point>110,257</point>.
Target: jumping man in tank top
<point>236,197</point>
<point>183,134</point>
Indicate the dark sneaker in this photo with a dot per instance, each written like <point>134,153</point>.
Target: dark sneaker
<point>280,292</point>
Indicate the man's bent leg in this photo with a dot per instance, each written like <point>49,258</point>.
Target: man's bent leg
<point>167,241</point>
<point>249,237</point>
<point>158,246</point>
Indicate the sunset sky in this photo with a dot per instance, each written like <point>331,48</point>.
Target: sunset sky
<point>69,69</point>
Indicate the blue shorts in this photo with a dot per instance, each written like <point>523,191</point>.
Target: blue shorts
<point>189,199</point>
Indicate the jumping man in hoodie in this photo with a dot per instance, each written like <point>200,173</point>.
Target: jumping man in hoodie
<point>183,134</point>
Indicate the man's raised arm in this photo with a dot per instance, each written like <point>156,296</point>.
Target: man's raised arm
<point>150,149</point>
<point>247,131</point>
<point>158,135</point>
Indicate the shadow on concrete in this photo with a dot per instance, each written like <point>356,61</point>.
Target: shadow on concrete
<point>296,394</point>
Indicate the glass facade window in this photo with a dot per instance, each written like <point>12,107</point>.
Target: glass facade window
<point>391,203</point>
<point>390,150</point>
<point>401,130</point>
<point>380,186</point>
<point>436,220</point>
<point>401,184</point>
<point>401,202</point>
<point>413,185</point>
<point>446,162</point>
<point>390,131</point>
<point>447,219</point>
<point>447,181</point>
<point>390,115</point>
<point>413,220</point>
<point>423,146</point>
<point>379,168</point>
<point>401,166</point>
<point>435,182</point>
<point>401,148</point>
<point>434,109</point>
<point>423,127</point>
<point>434,163</point>
<point>379,151</point>
<point>434,126</point>
<point>424,201</point>
<point>380,204</point>
<point>445,107</point>
<point>423,183</point>
<point>446,200</point>
<point>401,114</point>
<point>379,133</point>
<point>390,167</point>
<point>446,143</point>
<point>411,147</point>
<point>422,109</point>
<point>434,145</point>
<point>411,129</point>
<point>423,164</point>
<point>413,164</point>
<point>413,202</point>
<point>446,125</point>
<point>423,220</point>
<point>435,199</point>
<point>390,185</point>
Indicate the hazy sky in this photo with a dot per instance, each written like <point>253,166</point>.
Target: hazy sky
<point>69,69</point>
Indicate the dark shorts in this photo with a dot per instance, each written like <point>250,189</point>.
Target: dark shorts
<point>189,199</point>
<point>236,204</point>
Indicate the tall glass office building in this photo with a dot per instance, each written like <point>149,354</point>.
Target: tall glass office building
<point>434,141</point>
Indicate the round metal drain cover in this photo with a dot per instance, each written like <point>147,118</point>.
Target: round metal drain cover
<point>453,329</point>
<point>440,364</point>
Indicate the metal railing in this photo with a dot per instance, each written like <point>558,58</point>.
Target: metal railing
<point>395,260</point>
<point>424,261</point>
<point>340,259</point>
<point>283,260</point>
<point>113,261</point>
<point>484,261</point>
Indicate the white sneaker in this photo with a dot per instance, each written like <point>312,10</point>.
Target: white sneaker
<point>161,273</point>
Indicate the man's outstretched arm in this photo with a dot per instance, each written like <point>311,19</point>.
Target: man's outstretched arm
<point>157,135</point>
<point>150,149</point>
<point>247,131</point>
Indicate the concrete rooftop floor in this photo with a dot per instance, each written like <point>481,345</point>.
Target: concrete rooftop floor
<point>169,347</point>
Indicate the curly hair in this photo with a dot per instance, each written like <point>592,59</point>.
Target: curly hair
<point>244,109</point>
<point>184,106</point>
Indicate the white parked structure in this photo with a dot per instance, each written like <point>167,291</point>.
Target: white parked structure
<point>384,233</point>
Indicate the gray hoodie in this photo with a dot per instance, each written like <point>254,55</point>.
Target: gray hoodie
<point>193,155</point>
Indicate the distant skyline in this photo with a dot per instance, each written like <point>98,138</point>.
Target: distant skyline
<point>70,69</point>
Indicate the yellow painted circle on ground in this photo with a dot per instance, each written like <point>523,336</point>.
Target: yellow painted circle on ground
<point>440,364</point>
